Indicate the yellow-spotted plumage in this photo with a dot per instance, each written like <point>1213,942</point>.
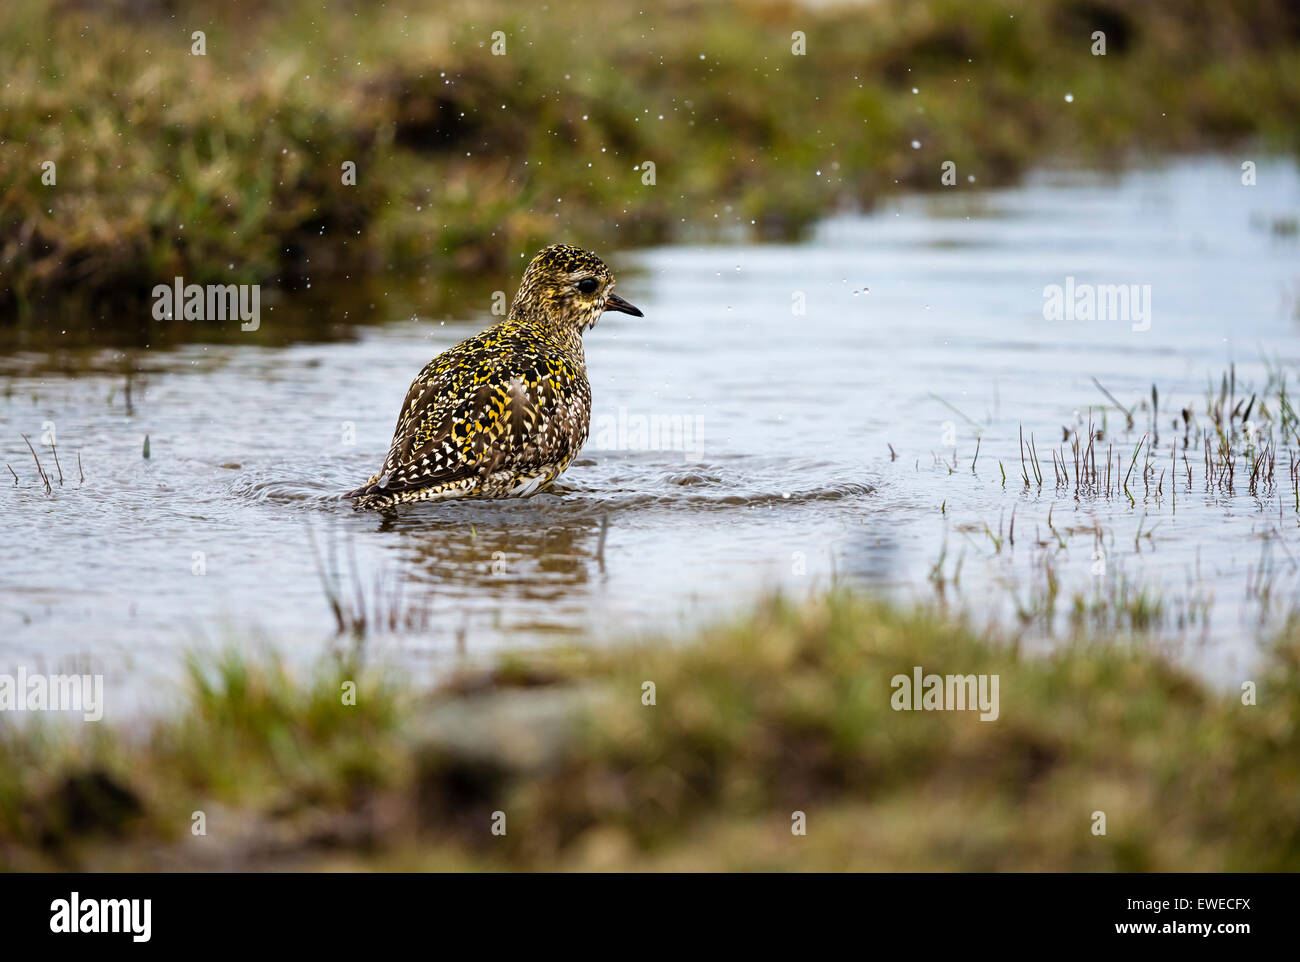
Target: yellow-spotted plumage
<point>503,413</point>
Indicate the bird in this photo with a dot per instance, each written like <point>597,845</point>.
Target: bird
<point>502,414</point>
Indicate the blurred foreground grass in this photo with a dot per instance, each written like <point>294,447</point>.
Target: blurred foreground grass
<point>786,710</point>
<point>227,167</point>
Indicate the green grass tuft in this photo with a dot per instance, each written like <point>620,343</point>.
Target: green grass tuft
<point>786,710</point>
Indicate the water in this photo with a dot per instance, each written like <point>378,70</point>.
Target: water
<point>923,326</point>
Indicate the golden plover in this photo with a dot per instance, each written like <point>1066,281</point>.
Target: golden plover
<point>502,414</point>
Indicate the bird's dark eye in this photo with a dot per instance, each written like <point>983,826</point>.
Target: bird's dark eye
<point>588,285</point>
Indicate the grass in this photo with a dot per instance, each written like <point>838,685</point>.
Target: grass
<point>1234,447</point>
<point>1246,430</point>
<point>786,710</point>
<point>227,167</point>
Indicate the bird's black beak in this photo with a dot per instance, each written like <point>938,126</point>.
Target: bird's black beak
<point>615,303</point>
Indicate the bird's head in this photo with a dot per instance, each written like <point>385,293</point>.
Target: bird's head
<point>569,288</point>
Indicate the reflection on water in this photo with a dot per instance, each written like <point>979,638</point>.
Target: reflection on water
<point>836,443</point>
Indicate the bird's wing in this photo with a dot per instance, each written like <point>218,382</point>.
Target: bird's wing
<point>450,430</point>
